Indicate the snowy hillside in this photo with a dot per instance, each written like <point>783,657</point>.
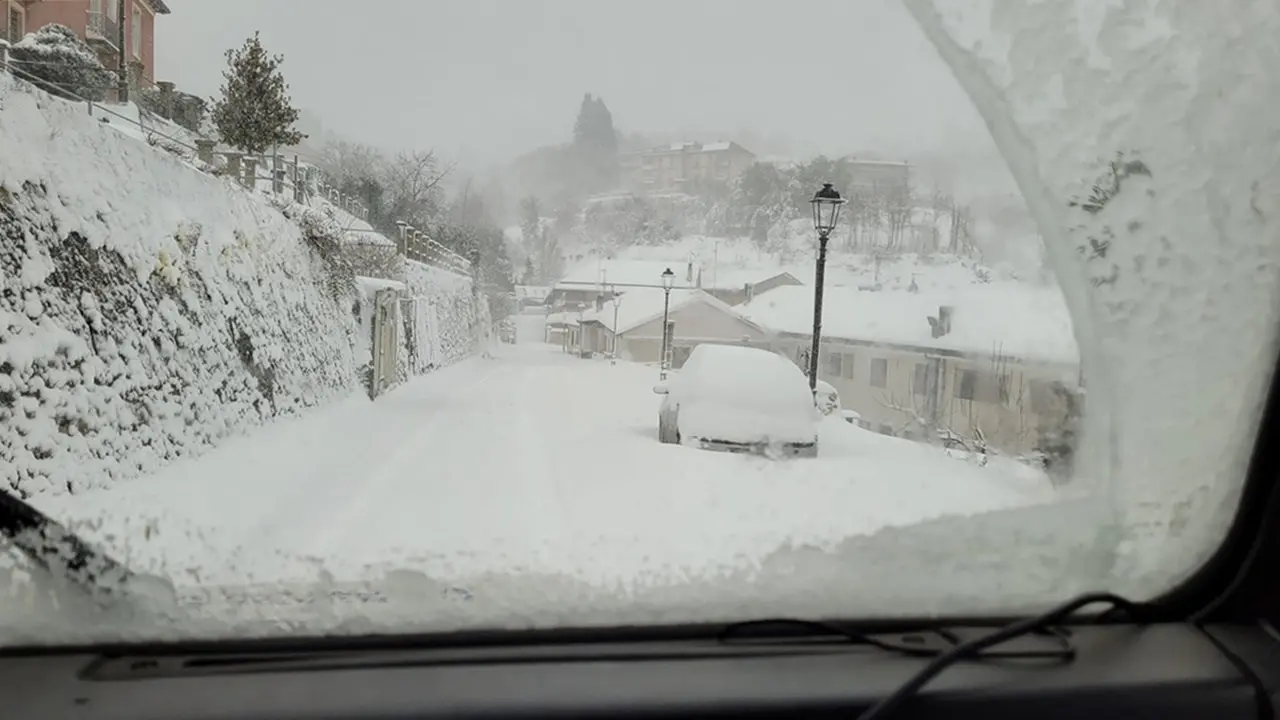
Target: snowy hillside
<point>148,310</point>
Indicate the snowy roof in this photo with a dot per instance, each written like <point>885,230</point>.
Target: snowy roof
<point>596,273</point>
<point>735,278</point>
<point>368,286</point>
<point>638,306</point>
<point>355,230</point>
<point>694,146</point>
<point>889,163</point>
<point>994,318</point>
<point>533,292</point>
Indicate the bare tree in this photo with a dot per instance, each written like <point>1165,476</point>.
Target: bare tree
<point>345,162</point>
<point>413,185</point>
<point>898,207</point>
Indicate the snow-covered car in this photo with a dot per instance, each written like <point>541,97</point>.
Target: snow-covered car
<point>827,397</point>
<point>739,399</point>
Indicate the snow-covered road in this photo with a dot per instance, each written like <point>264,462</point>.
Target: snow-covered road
<point>530,461</point>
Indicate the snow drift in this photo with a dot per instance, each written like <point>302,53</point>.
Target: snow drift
<point>147,310</point>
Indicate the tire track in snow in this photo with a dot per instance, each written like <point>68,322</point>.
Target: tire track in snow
<point>317,514</point>
<point>397,478</point>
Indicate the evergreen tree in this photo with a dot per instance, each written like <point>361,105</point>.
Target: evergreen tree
<point>595,146</point>
<point>255,112</point>
<point>530,220</point>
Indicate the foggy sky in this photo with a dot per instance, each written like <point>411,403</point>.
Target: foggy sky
<point>485,80</point>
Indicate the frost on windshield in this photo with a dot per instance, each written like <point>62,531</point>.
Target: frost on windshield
<point>1143,137</point>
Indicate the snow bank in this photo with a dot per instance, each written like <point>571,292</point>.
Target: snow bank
<point>147,311</point>
<point>1143,137</point>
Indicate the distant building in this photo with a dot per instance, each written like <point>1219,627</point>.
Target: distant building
<point>737,286</point>
<point>988,361</point>
<point>630,325</point>
<point>594,281</point>
<point>884,176</point>
<point>96,22</point>
<point>684,166</point>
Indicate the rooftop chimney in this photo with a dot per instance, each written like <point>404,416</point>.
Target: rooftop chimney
<point>941,325</point>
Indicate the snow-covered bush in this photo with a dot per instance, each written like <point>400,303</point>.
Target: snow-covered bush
<point>61,63</point>
<point>323,233</point>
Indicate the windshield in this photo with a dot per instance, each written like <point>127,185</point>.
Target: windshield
<point>398,322</point>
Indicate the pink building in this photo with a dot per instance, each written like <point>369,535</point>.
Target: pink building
<point>97,21</point>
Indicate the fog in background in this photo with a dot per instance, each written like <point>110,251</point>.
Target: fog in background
<point>487,84</point>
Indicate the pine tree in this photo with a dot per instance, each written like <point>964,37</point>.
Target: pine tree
<point>255,112</point>
<point>583,127</point>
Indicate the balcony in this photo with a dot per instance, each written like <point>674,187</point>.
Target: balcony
<point>102,31</point>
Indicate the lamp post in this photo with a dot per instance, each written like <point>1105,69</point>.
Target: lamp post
<point>582,307</point>
<point>613,296</point>
<point>668,280</point>
<point>826,210</point>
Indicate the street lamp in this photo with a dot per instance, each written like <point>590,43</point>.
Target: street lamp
<point>668,280</point>
<point>613,295</point>
<point>826,211</point>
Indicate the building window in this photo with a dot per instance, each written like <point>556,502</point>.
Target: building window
<point>832,362</point>
<point>17,23</point>
<point>879,373</point>
<point>848,366</point>
<point>920,379</point>
<point>966,384</point>
<point>135,32</point>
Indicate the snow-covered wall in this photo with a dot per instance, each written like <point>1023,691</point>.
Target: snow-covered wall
<point>445,321</point>
<point>147,310</point>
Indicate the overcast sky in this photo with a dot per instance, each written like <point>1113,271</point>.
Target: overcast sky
<point>485,80</point>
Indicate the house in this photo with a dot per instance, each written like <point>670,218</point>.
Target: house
<point>97,22</point>
<point>996,361</point>
<point>736,286</point>
<point>684,167</point>
<point>531,296</point>
<point>881,176</point>
<point>591,280</point>
<point>630,325</point>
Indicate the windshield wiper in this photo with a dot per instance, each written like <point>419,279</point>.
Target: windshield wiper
<point>917,642</point>
<point>61,552</point>
<point>979,646</point>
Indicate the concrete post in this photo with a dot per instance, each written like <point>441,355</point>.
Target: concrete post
<point>166,98</point>
<point>277,173</point>
<point>250,177</point>
<point>235,165</point>
<point>204,150</point>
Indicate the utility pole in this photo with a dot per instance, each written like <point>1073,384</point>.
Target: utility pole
<point>122,52</point>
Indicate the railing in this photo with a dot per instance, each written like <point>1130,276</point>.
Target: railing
<point>273,171</point>
<point>103,28</point>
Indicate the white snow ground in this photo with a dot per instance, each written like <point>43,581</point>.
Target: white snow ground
<point>531,462</point>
